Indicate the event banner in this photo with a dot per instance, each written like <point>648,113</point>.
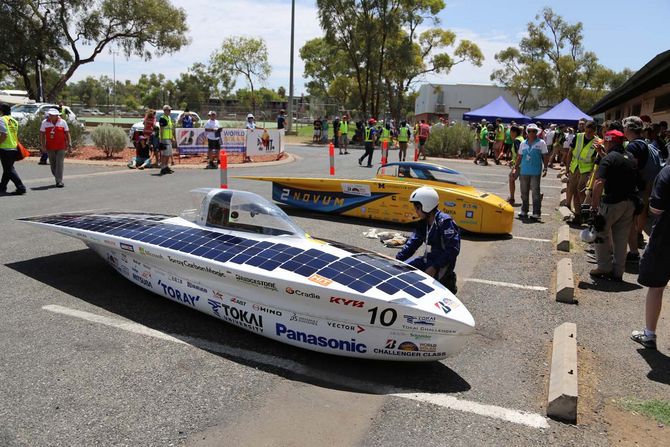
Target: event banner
<point>264,142</point>
<point>194,141</point>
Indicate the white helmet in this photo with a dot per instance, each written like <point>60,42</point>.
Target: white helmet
<point>427,197</point>
<point>588,235</point>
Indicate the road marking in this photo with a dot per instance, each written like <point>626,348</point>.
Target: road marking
<point>531,239</point>
<point>532,420</point>
<point>444,400</point>
<point>505,284</point>
<point>74,176</point>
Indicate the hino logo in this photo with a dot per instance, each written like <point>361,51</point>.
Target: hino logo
<point>347,302</point>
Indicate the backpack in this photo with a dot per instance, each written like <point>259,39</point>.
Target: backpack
<point>653,165</point>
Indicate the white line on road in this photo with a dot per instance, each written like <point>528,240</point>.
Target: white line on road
<point>521,238</point>
<point>505,284</point>
<point>443,400</point>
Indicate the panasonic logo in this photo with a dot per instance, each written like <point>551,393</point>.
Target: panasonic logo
<point>324,342</point>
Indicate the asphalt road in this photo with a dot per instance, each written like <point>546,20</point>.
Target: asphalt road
<point>137,369</point>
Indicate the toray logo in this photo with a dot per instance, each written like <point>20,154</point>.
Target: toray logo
<point>347,302</point>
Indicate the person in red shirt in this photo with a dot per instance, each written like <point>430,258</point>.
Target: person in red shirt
<point>424,133</point>
<point>55,140</point>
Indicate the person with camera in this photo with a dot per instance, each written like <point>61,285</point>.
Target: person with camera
<point>613,206</point>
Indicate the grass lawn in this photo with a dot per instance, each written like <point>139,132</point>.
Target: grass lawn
<point>656,409</point>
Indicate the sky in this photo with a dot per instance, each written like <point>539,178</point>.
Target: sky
<point>621,33</point>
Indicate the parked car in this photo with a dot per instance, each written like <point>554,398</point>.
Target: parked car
<point>139,126</point>
<point>22,112</point>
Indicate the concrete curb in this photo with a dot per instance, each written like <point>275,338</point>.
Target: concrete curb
<point>565,283</point>
<point>564,189</point>
<point>565,212</point>
<point>563,238</point>
<point>564,199</point>
<point>563,383</point>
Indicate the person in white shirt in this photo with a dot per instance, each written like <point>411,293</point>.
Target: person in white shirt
<point>213,133</point>
<point>251,122</point>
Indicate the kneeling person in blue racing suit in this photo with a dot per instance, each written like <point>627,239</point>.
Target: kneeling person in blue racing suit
<point>441,235</point>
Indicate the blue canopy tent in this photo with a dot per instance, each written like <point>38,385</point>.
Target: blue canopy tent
<point>498,108</point>
<point>564,112</point>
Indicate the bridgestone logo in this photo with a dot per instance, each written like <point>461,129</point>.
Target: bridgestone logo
<point>256,282</point>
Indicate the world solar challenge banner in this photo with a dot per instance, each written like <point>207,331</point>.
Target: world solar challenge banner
<point>265,142</point>
<point>194,141</point>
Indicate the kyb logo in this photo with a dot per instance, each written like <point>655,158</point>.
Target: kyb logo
<point>347,302</point>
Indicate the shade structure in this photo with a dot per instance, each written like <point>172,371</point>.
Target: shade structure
<point>498,108</point>
<point>565,112</point>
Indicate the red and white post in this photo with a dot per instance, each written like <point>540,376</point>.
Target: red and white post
<point>385,152</point>
<point>331,155</point>
<point>416,148</point>
<point>223,168</point>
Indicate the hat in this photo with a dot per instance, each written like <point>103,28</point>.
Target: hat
<point>211,112</point>
<point>251,115</point>
<point>167,107</point>
<point>483,120</point>
<point>614,136</point>
<point>53,112</point>
<point>532,126</point>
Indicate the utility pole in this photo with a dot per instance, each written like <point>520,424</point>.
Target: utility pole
<point>40,86</point>
<point>289,124</point>
<point>114,83</point>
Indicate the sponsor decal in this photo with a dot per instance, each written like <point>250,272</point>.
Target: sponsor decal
<point>355,189</point>
<point>145,252</point>
<point>407,346</point>
<point>440,305</point>
<point>450,204</point>
<point>146,274</point>
<point>267,310</point>
<point>346,326</point>
<point>320,280</point>
<point>238,301</point>
<point>109,242</point>
<point>323,342</point>
<point>82,235</point>
<point>300,319</point>
<point>217,294</point>
<point>420,320</point>
<point>243,318</point>
<point>126,247</point>
<point>123,270</point>
<point>469,214</point>
<point>196,286</point>
<point>256,282</point>
<point>176,279</point>
<point>404,349</point>
<point>427,347</point>
<point>143,281</point>
<point>112,260</point>
<point>178,295</point>
<point>292,291</point>
<point>195,266</point>
<point>347,302</point>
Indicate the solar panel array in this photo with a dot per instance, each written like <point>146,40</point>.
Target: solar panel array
<point>361,272</point>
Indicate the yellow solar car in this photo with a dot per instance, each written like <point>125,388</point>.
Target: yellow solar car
<point>386,197</point>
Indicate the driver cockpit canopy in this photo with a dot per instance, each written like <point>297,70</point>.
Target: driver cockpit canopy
<point>241,211</point>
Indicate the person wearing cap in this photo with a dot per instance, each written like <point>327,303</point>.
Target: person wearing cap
<point>142,158</point>
<point>167,137</point>
<point>213,134</point>
<point>251,122</point>
<point>344,134</point>
<point>613,189</point>
<point>55,141</point>
<point>531,163</point>
<point>281,119</point>
<point>9,141</point>
<point>440,234</point>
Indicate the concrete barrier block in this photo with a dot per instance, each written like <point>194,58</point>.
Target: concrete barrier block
<point>563,238</point>
<point>565,283</point>
<point>564,179</point>
<point>564,189</point>
<point>565,212</point>
<point>560,174</point>
<point>564,199</point>
<point>563,380</point>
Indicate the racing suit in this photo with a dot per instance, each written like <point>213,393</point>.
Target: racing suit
<point>443,243</point>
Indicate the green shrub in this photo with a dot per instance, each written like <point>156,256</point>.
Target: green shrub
<point>110,139</point>
<point>29,133</point>
<point>455,141</point>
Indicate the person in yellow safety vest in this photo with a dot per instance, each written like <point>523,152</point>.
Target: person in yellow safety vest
<point>370,135</point>
<point>517,139</point>
<point>167,138</point>
<point>386,135</point>
<point>581,160</point>
<point>404,135</point>
<point>9,141</point>
<point>607,126</point>
<point>344,134</point>
<point>499,143</point>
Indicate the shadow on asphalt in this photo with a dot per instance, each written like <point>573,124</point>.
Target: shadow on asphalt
<point>604,285</point>
<point>659,364</point>
<point>43,188</point>
<point>87,277</point>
